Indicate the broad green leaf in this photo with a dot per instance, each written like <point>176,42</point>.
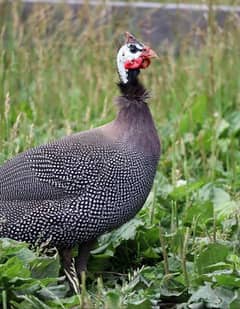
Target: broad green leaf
<point>53,292</point>
<point>171,287</point>
<point>224,144</point>
<point>184,190</point>
<point>113,300</point>
<point>223,125</point>
<point>66,303</point>
<point>140,304</point>
<point>10,248</point>
<point>202,211</point>
<point>43,267</point>
<point>234,121</point>
<point>14,267</point>
<point>228,280</point>
<point>220,198</point>
<point>31,302</point>
<point>226,210</point>
<point>210,192</point>
<point>212,254</point>
<point>148,237</point>
<point>150,253</point>
<point>213,298</point>
<point>235,304</point>
<point>125,232</point>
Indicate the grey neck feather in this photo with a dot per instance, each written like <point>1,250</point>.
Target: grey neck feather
<point>134,121</point>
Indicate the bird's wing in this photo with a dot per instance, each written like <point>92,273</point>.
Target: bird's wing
<point>54,170</point>
<point>40,221</point>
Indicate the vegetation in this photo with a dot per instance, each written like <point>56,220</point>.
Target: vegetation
<point>58,76</point>
<point>214,2</point>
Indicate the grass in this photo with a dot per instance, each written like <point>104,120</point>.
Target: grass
<point>206,2</point>
<point>215,2</point>
<point>58,76</point>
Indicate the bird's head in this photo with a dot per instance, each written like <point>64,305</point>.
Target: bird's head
<point>132,57</point>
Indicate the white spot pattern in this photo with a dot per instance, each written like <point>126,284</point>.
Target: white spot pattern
<point>72,190</point>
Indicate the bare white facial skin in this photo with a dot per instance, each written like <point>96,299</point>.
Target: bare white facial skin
<point>125,54</point>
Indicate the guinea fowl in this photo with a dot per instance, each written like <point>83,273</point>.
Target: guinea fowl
<point>70,191</point>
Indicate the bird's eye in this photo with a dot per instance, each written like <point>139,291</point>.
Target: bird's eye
<point>133,48</point>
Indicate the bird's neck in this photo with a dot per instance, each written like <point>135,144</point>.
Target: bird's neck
<point>132,103</point>
<point>134,120</point>
<point>133,89</point>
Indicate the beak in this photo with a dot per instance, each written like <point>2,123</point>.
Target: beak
<point>148,53</point>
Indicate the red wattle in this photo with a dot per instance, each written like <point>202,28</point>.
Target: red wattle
<point>146,62</point>
<point>139,63</point>
<point>133,64</point>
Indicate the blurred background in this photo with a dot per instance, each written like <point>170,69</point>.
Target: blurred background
<point>58,76</point>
